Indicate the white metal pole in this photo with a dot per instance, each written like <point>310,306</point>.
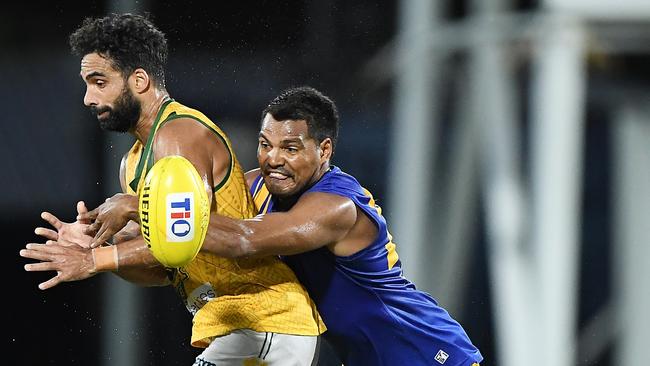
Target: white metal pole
<point>556,152</point>
<point>413,136</point>
<point>494,110</point>
<point>632,222</point>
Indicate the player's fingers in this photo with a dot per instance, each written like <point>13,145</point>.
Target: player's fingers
<point>51,219</point>
<point>81,208</point>
<point>47,233</point>
<point>103,234</point>
<point>93,228</point>
<point>34,254</point>
<point>40,266</point>
<point>50,283</point>
<point>50,249</point>
<point>88,216</point>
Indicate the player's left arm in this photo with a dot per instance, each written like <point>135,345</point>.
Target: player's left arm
<point>316,220</point>
<point>188,138</point>
<point>183,136</point>
<point>193,141</point>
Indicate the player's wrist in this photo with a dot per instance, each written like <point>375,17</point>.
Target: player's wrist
<point>105,259</point>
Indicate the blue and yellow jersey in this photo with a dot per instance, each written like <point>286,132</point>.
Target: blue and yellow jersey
<point>227,294</point>
<point>374,315</point>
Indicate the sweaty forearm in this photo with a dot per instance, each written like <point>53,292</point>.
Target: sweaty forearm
<point>227,238</point>
<point>135,263</point>
<point>134,253</point>
<point>261,236</point>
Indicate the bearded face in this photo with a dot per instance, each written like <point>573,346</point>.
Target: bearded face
<point>122,116</point>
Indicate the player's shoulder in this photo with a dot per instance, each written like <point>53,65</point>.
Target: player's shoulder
<point>185,129</point>
<point>337,181</point>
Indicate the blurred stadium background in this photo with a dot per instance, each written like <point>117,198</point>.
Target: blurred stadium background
<point>507,140</point>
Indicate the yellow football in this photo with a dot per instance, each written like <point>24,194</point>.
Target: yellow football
<point>174,211</point>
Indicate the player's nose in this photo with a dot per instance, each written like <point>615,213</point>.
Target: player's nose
<point>275,157</point>
<point>89,99</point>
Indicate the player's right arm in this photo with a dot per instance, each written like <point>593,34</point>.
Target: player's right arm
<point>138,265</point>
<point>75,263</point>
<point>143,270</point>
<point>120,213</point>
<point>316,220</point>
<point>185,137</point>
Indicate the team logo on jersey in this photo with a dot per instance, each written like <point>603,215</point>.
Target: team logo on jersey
<point>180,216</point>
<point>441,356</point>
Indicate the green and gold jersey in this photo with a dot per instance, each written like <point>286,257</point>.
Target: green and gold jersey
<point>227,294</point>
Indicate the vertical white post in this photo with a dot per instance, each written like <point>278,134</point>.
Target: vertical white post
<point>413,138</point>
<point>494,110</point>
<point>556,152</point>
<point>632,220</point>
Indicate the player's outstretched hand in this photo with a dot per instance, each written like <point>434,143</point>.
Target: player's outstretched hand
<point>72,263</point>
<point>66,233</point>
<point>110,217</point>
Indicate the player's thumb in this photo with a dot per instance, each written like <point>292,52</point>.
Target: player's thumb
<point>81,207</point>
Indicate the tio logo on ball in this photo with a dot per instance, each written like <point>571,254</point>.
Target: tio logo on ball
<point>179,217</point>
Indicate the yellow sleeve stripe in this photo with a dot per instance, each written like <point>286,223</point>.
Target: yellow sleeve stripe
<point>372,203</point>
<point>392,254</point>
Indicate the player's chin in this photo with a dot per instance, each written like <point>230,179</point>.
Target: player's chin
<point>105,121</point>
<point>103,116</point>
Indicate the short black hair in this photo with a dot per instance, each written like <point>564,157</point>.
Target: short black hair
<point>307,103</point>
<point>129,41</point>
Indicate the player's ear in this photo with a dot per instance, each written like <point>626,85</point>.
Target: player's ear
<point>326,148</point>
<point>139,80</point>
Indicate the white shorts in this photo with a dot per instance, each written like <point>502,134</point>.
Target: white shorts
<point>245,347</point>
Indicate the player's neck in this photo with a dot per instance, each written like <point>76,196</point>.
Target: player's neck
<point>150,108</point>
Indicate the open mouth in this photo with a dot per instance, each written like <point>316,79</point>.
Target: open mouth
<point>277,175</point>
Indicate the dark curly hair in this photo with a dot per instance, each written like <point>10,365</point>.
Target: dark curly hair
<point>130,41</point>
<point>307,103</point>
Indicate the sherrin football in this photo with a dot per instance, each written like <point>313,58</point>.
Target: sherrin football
<point>174,211</point>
